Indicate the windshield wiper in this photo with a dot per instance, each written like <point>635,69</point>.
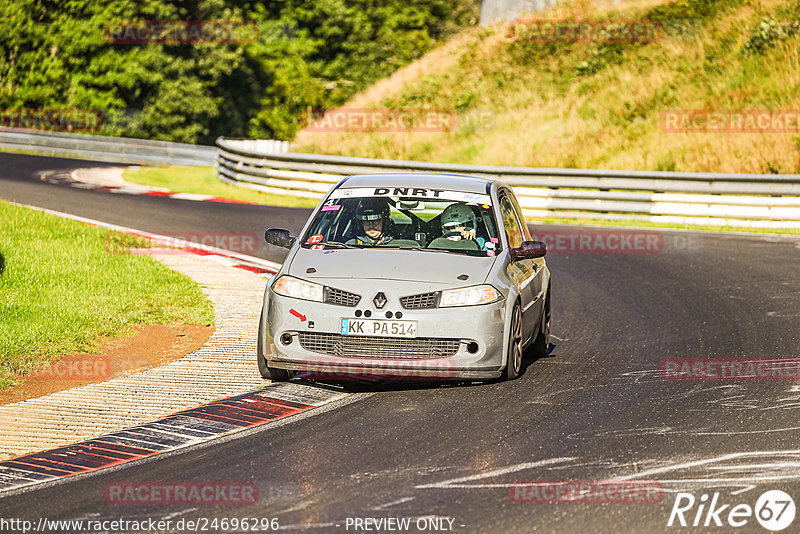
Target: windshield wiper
<point>408,247</point>
<point>337,244</point>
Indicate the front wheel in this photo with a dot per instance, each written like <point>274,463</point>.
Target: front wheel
<point>514,360</point>
<point>270,373</point>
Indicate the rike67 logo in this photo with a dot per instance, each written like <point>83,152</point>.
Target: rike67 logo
<point>774,510</point>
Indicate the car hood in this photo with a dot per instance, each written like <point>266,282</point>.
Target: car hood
<point>407,265</point>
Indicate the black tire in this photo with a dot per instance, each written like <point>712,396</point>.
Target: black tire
<point>514,361</point>
<point>542,342</point>
<point>270,373</point>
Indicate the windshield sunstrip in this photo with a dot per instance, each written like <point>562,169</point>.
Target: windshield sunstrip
<point>415,218</point>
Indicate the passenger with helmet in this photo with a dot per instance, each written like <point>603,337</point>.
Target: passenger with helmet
<point>458,224</point>
<point>373,214</point>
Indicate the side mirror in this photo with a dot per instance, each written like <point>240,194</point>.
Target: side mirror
<point>528,250</point>
<point>280,237</point>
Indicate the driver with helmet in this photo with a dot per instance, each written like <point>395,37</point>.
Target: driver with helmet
<point>458,223</point>
<point>373,213</point>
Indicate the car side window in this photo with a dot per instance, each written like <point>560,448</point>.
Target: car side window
<point>526,234</point>
<point>510,223</point>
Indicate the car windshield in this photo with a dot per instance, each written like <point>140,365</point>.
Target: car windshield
<point>405,218</point>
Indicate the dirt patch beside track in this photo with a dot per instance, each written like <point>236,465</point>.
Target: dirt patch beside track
<point>150,346</point>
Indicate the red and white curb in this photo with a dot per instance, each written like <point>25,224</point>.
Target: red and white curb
<point>73,179</point>
<point>177,431</point>
<point>111,423</point>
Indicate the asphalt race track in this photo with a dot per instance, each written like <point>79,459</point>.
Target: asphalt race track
<point>598,407</point>
<point>20,182</point>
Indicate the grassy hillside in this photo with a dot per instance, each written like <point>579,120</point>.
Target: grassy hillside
<point>519,101</point>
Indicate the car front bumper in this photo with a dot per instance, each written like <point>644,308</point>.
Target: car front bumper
<point>451,343</point>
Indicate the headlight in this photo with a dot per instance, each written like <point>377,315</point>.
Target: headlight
<point>289,286</point>
<point>468,296</point>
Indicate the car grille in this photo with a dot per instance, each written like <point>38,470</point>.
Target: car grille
<point>378,347</point>
<point>423,300</point>
<point>342,298</point>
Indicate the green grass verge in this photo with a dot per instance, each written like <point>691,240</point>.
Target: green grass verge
<point>65,285</point>
<point>203,180</point>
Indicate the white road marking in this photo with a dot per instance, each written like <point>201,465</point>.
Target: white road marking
<point>191,196</point>
<point>744,477</point>
<point>734,433</point>
<point>394,503</point>
<point>661,431</point>
<point>707,461</point>
<point>180,512</point>
<point>658,431</point>
<point>742,467</point>
<point>782,315</point>
<point>639,375</point>
<point>301,506</point>
<point>457,482</point>
<point>726,481</point>
<point>784,406</point>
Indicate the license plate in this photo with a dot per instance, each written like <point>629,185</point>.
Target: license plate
<point>378,327</point>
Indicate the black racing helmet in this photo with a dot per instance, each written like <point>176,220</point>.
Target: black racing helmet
<point>372,209</point>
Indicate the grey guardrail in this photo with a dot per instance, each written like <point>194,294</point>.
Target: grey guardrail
<point>753,200</point>
<point>102,148</point>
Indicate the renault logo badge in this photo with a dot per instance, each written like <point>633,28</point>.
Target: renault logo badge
<point>379,300</point>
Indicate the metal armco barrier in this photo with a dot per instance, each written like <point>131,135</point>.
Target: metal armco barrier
<point>745,200</point>
<point>110,149</point>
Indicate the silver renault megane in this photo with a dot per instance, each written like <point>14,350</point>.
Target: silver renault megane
<point>407,276</point>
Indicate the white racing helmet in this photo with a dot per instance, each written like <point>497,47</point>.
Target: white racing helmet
<point>458,214</point>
